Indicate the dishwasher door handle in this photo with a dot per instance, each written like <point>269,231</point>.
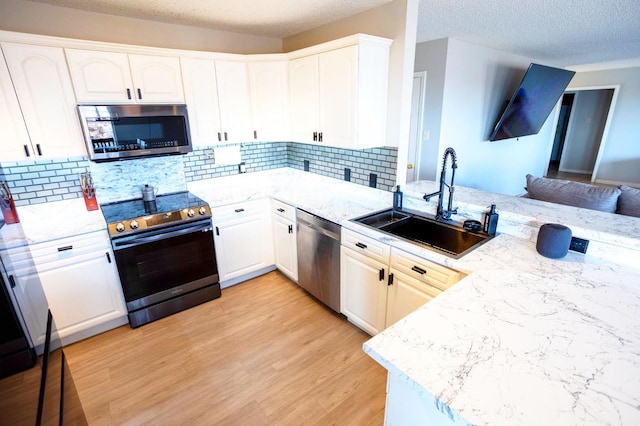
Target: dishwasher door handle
<point>320,230</point>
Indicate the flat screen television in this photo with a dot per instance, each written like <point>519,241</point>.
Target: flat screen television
<point>532,102</point>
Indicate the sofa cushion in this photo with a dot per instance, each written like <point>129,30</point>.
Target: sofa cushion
<point>629,201</point>
<point>575,194</point>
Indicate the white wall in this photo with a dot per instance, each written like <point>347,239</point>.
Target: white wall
<point>431,57</point>
<point>45,19</point>
<point>478,81</point>
<point>620,162</point>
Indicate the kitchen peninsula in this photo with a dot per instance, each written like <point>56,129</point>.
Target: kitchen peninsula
<point>522,339</point>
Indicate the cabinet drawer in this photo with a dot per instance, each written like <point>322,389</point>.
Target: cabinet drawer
<point>238,210</point>
<point>426,271</point>
<point>365,245</point>
<point>60,249</point>
<point>283,210</point>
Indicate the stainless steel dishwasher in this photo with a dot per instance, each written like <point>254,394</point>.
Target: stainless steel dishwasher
<point>318,243</point>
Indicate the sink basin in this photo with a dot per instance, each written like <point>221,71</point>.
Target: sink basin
<point>452,240</point>
<point>385,217</point>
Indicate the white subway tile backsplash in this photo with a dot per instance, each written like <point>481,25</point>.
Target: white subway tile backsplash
<point>33,182</point>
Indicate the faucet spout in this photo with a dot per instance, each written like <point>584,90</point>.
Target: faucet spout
<point>441,213</point>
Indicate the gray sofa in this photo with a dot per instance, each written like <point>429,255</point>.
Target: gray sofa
<point>621,199</point>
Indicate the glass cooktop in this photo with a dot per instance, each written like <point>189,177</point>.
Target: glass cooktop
<point>121,211</point>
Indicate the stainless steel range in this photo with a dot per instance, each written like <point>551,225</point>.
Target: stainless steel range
<point>165,254</point>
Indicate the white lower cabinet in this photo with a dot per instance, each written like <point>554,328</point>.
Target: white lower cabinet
<point>380,284</point>
<point>76,278</point>
<point>284,238</point>
<point>363,292</point>
<point>243,240</point>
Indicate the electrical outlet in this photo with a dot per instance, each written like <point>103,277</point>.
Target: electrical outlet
<point>373,180</point>
<point>306,165</point>
<point>347,174</point>
<point>578,244</point>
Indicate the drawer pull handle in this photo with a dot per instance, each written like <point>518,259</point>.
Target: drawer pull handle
<point>381,274</point>
<point>108,257</point>
<point>239,210</point>
<point>418,270</point>
<point>390,280</point>
<point>362,246</point>
<point>65,248</point>
<point>291,229</point>
<point>281,210</point>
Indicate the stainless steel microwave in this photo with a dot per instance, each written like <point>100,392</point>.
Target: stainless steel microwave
<point>114,132</point>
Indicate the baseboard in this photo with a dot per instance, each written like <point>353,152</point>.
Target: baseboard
<point>246,277</point>
<point>616,183</point>
<point>581,172</point>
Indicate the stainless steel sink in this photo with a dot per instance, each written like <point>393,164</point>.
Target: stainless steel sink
<point>449,239</point>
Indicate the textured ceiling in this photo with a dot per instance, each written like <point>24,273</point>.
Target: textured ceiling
<point>560,32</point>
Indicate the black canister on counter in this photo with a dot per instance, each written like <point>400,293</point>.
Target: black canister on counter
<point>397,198</point>
<point>490,221</point>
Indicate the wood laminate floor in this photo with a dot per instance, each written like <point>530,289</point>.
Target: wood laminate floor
<point>263,353</point>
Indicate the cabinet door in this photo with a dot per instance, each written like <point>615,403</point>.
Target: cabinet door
<point>201,96</point>
<point>233,100</point>
<point>14,138</point>
<point>100,77</point>
<point>156,79</point>
<point>43,87</point>
<point>405,295</point>
<point>284,239</point>
<point>338,84</point>
<point>268,86</point>
<point>32,301</point>
<point>82,291</point>
<point>363,290</point>
<point>243,238</point>
<point>303,98</point>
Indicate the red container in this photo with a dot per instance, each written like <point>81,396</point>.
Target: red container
<point>10,213</point>
<point>90,199</point>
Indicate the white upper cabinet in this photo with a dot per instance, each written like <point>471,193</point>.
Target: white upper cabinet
<point>303,98</point>
<point>201,97</point>
<point>13,132</point>
<point>337,107</point>
<point>268,87</point>
<point>45,94</point>
<point>217,98</point>
<point>112,77</point>
<point>233,99</point>
<point>339,97</point>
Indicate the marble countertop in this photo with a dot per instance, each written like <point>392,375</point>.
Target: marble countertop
<point>521,340</point>
<point>51,221</point>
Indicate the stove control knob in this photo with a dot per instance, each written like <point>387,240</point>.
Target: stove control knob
<point>202,211</point>
<point>120,227</point>
<point>134,224</point>
<point>191,213</point>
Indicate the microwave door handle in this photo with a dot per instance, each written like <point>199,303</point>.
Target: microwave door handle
<point>133,242</point>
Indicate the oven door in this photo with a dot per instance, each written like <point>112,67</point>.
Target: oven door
<point>164,263</point>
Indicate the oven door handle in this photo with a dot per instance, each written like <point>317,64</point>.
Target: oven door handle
<point>136,241</point>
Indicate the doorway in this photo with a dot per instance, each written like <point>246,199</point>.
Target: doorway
<point>581,132</point>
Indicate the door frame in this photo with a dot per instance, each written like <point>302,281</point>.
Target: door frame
<point>607,125</point>
<point>418,125</point>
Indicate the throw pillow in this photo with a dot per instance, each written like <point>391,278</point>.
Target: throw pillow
<point>629,201</point>
<point>576,194</point>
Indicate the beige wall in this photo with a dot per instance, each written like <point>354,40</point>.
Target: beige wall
<point>397,20</point>
<point>39,18</point>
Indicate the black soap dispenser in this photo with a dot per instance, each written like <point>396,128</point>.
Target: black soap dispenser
<point>397,198</point>
<point>490,221</point>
